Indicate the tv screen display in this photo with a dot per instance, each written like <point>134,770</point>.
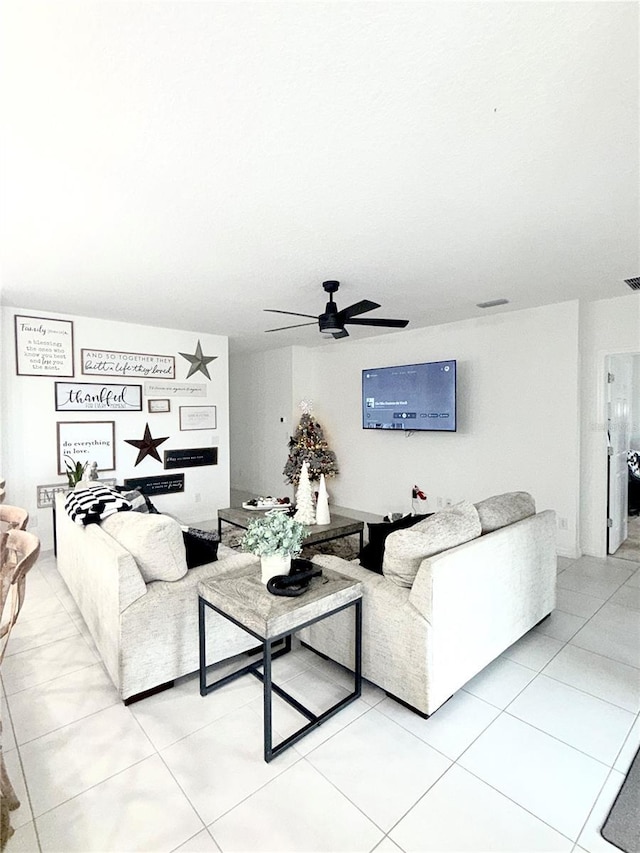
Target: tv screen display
<point>410,397</point>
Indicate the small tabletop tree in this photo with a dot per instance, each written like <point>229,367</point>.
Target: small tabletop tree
<point>309,445</point>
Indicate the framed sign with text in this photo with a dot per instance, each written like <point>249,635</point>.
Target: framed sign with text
<point>162,485</point>
<point>87,441</point>
<point>192,458</point>
<point>198,417</point>
<point>44,346</point>
<point>95,396</point>
<point>99,362</point>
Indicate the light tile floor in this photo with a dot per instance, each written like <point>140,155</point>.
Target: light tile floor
<point>527,756</point>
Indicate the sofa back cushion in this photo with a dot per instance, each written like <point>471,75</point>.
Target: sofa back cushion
<point>154,541</point>
<point>500,510</point>
<point>406,549</point>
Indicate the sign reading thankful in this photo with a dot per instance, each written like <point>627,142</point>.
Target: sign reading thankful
<point>94,396</point>
<point>109,363</point>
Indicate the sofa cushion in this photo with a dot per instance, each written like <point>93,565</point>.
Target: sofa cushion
<point>500,510</point>
<point>406,549</point>
<point>373,552</point>
<point>201,546</point>
<point>154,541</point>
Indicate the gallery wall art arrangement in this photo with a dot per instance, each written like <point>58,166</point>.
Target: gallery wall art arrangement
<point>155,401</point>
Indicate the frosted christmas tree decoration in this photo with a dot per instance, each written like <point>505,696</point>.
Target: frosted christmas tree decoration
<point>304,499</point>
<point>322,503</point>
<point>309,445</point>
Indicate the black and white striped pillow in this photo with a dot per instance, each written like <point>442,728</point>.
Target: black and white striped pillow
<point>91,506</point>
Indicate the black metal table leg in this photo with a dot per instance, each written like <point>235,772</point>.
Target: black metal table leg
<point>267,701</point>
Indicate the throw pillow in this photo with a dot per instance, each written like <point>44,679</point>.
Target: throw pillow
<point>154,541</point>
<point>135,498</point>
<point>201,546</point>
<point>500,510</point>
<point>406,549</point>
<point>93,505</point>
<point>372,553</point>
<point>140,501</point>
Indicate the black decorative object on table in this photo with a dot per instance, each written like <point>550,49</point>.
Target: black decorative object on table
<point>297,581</point>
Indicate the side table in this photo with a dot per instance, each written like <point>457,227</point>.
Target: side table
<point>246,602</point>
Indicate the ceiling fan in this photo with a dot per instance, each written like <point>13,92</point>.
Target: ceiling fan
<point>332,322</point>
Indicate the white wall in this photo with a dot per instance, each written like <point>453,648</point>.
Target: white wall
<point>607,326</point>
<point>635,403</point>
<point>261,417</point>
<point>29,419</point>
<point>518,414</point>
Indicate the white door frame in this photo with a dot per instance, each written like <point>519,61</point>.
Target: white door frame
<point>601,474</point>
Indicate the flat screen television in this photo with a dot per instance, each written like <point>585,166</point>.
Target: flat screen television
<point>420,397</point>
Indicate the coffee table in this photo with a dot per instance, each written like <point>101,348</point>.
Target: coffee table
<point>338,527</point>
<point>245,601</point>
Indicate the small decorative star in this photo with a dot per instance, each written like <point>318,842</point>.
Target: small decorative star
<point>198,361</point>
<point>306,406</point>
<point>147,446</point>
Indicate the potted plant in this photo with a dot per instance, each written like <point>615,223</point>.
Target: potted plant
<point>75,471</point>
<point>275,538</point>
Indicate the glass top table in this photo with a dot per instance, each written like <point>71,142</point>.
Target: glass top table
<point>339,526</point>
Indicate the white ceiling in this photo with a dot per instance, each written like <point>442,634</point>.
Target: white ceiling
<point>187,164</point>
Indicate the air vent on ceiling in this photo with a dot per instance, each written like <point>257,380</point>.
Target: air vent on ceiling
<point>493,303</point>
<point>634,283</point>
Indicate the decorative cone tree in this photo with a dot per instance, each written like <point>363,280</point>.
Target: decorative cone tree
<point>304,499</point>
<point>309,445</point>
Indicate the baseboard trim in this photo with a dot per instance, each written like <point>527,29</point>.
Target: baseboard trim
<point>151,692</point>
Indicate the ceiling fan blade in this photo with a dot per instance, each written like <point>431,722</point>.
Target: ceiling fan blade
<point>292,313</point>
<point>379,321</point>
<point>357,308</point>
<point>341,334</point>
<point>297,326</point>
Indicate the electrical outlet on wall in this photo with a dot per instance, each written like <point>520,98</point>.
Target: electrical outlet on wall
<point>563,524</point>
<point>439,502</point>
<point>33,521</point>
<point>198,497</point>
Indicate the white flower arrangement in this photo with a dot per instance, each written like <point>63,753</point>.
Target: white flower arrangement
<point>275,533</point>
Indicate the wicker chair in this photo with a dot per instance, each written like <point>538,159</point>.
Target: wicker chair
<point>18,551</point>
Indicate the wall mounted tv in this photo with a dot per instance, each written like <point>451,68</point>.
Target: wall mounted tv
<point>420,397</point>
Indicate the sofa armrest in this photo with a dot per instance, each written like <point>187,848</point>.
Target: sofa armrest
<point>482,596</point>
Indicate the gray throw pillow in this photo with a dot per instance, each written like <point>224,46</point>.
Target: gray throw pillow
<point>154,541</point>
<point>406,549</point>
<point>500,510</point>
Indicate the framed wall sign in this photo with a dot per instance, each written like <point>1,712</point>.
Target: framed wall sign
<point>87,441</point>
<point>100,362</point>
<point>162,485</point>
<point>47,494</point>
<point>191,458</point>
<point>44,347</point>
<point>175,389</point>
<point>198,417</point>
<point>159,405</point>
<point>95,396</point>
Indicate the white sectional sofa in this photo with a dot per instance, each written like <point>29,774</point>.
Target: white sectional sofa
<point>428,631</point>
<point>146,631</point>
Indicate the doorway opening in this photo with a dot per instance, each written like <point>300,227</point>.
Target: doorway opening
<point>623,440</point>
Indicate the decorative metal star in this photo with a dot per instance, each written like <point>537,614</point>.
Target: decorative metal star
<point>198,361</point>
<point>147,446</point>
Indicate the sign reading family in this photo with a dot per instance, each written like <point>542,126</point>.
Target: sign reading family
<point>94,396</point>
<point>44,346</point>
<point>97,362</point>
